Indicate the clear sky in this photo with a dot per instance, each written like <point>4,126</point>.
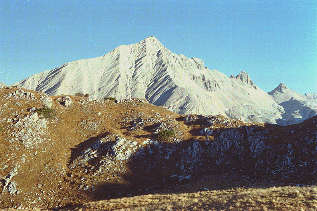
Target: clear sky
<point>274,41</point>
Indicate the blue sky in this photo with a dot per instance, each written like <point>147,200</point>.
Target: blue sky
<point>274,41</point>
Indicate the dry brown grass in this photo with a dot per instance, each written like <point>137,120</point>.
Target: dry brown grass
<point>47,165</point>
<point>273,198</point>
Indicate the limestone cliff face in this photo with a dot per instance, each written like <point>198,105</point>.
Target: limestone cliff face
<point>148,70</point>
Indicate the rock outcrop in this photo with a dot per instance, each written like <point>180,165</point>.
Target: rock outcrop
<point>247,150</point>
<point>244,78</point>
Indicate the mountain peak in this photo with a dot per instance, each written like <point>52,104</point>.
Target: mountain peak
<point>149,44</point>
<point>280,88</point>
<point>244,77</point>
<point>151,40</point>
<point>243,74</point>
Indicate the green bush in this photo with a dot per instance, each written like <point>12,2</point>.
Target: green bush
<point>79,94</point>
<point>46,112</point>
<point>166,135</point>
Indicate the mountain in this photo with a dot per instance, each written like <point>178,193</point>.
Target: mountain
<point>297,107</point>
<point>311,96</point>
<point>150,71</point>
<point>2,85</point>
<point>282,93</point>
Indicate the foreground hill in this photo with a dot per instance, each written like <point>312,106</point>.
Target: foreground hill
<point>64,151</point>
<point>148,70</point>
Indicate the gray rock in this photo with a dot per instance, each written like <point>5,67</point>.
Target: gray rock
<point>21,94</point>
<point>47,101</point>
<point>206,132</point>
<point>12,188</point>
<point>65,101</point>
<point>9,185</point>
<point>29,130</point>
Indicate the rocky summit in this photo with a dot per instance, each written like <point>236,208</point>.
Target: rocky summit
<point>296,107</point>
<point>73,152</point>
<point>148,70</point>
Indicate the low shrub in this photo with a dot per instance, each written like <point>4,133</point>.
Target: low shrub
<point>79,94</point>
<point>46,112</point>
<point>166,135</point>
<point>110,98</point>
<point>3,127</point>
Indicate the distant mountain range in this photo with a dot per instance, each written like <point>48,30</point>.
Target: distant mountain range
<point>150,71</point>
